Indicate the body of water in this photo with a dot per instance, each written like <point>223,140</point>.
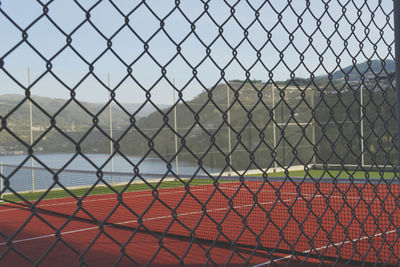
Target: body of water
<point>81,171</point>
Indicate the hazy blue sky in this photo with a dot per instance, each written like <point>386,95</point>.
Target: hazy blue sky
<point>71,69</point>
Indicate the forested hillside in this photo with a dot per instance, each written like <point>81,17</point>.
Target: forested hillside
<point>203,126</point>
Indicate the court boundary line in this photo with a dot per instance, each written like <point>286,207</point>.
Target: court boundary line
<point>134,221</point>
<point>305,195</point>
<point>103,199</point>
<point>326,247</point>
<point>181,191</point>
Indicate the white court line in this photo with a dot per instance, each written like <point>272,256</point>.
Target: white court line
<point>113,198</point>
<point>327,196</point>
<point>328,246</point>
<point>134,221</point>
<point>305,194</point>
<point>170,216</point>
<point>182,191</point>
<point>103,199</point>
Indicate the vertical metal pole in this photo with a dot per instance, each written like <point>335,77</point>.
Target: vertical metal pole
<point>111,130</point>
<point>362,125</point>
<point>31,132</point>
<point>229,128</point>
<point>175,129</point>
<point>313,127</point>
<point>274,123</point>
<point>249,136</point>
<point>396,9</point>
<point>1,181</point>
<point>283,139</point>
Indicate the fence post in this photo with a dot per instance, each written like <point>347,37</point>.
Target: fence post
<point>175,129</point>
<point>31,133</point>
<point>362,124</point>
<point>314,160</point>
<point>396,11</point>
<point>229,128</point>
<point>274,125</point>
<point>1,181</point>
<point>282,138</point>
<point>111,129</point>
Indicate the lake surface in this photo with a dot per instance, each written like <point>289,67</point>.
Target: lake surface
<point>85,169</point>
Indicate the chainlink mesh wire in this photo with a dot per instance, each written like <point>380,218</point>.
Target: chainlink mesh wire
<point>280,146</point>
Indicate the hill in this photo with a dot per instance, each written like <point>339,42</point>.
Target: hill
<point>203,129</point>
<point>70,117</point>
<point>375,68</point>
<point>368,70</point>
<point>202,123</point>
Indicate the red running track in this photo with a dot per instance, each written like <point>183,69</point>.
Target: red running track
<point>358,222</point>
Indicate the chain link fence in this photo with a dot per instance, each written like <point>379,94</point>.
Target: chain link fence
<point>199,132</point>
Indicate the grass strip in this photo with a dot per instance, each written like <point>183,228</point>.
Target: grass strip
<point>103,190</point>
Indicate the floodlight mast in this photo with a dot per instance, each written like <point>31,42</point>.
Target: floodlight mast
<point>175,130</point>
<point>229,128</point>
<point>313,127</point>
<point>1,181</point>
<point>31,131</point>
<point>274,124</point>
<point>111,129</point>
<point>362,125</point>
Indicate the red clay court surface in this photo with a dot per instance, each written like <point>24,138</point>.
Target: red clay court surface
<point>351,221</point>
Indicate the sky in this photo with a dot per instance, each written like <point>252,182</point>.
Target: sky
<point>268,38</point>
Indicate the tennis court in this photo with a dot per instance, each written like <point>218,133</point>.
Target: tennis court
<point>253,221</point>
<point>200,133</point>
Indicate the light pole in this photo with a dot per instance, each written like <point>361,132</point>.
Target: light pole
<point>31,131</point>
<point>396,18</point>
<point>362,125</point>
<point>283,138</point>
<point>111,129</point>
<point>274,124</point>
<point>229,128</point>
<point>313,127</point>
<point>175,130</point>
<point>1,181</point>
